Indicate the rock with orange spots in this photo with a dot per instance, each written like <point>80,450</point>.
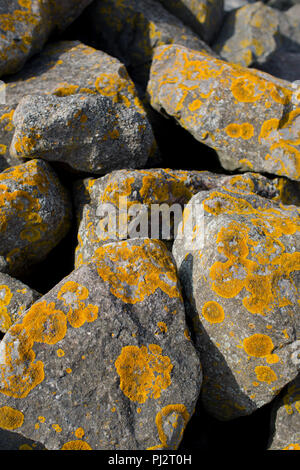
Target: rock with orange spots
<point>252,34</point>
<point>35,215</point>
<point>250,118</point>
<point>64,68</point>
<point>104,360</point>
<point>15,298</point>
<point>25,26</point>
<point>118,205</point>
<point>131,29</point>
<point>240,272</point>
<point>204,16</point>
<point>285,419</point>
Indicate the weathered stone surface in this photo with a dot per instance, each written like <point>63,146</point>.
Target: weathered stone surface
<point>15,298</point>
<point>131,29</point>
<point>285,420</point>
<point>233,4</point>
<point>251,34</point>
<point>125,188</point>
<point>283,64</point>
<point>34,215</point>
<point>104,360</point>
<point>241,296</point>
<point>25,26</point>
<point>204,16</point>
<point>93,134</point>
<point>63,69</point>
<point>250,118</point>
<point>13,441</point>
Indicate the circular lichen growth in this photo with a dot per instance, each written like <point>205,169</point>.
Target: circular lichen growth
<point>213,312</point>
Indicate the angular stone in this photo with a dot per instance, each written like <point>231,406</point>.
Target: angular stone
<point>149,187</point>
<point>93,134</point>
<point>282,4</point>
<point>15,298</point>
<point>104,360</point>
<point>25,26</point>
<point>131,29</point>
<point>250,118</point>
<point>251,34</point>
<point>63,69</point>
<point>35,215</point>
<point>283,64</point>
<point>241,284</point>
<point>285,420</point>
<point>204,17</point>
<point>233,4</point>
<point>13,441</point>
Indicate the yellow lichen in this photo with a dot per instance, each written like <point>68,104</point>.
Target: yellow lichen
<point>213,312</point>
<point>76,445</point>
<point>10,418</point>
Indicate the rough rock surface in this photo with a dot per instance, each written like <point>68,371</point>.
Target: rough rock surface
<point>98,362</point>
<point>15,298</point>
<point>131,29</point>
<point>34,215</point>
<point>147,187</point>
<point>25,26</point>
<point>250,118</point>
<point>241,297</point>
<point>204,16</point>
<point>285,421</point>
<point>252,34</point>
<point>94,134</point>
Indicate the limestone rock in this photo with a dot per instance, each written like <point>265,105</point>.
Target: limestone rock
<point>204,16</point>
<point>250,118</point>
<point>34,215</point>
<point>241,284</point>
<point>131,29</point>
<point>285,421</point>
<point>252,34</point>
<point>25,26</point>
<point>119,191</point>
<point>104,360</point>
<point>15,298</point>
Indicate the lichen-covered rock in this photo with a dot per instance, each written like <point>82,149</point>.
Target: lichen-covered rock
<point>34,215</point>
<point>241,285</point>
<point>104,360</point>
<point>125,188</point>
<point>203,16</point>
<point>283,64</point>
<point>285,419</point>
<point>15,298</point>
<point>252,34</point>
<point>131,29</point>
<point>250,118</point>
<point>25,26</point>
<point>94,134</point>
<point>63,69</point>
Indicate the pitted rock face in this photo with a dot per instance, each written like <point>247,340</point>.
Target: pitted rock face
<point>251,34</point>
<point>131,29</point>
<point>34,215</point>
<point>65,68</point>
<point>250,118</point>
<point>25,26</point>
<point>204,16</point>
<point>105,205</point>
<point>285,420</point>
<point>15,298</point>
<point>104,360</point>
<point>241,295</point>
<point>93,134</point>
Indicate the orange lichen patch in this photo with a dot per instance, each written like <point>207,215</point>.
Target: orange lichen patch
<point>241,184</point>
<point>65,89</point>
<point>292,447</point>
<point>135,272</point>
<point>25,447</point>
<point>74,296</point>
<point>19,373</point>
<point>69,370</point>
<point>162,326</point>
<point>170,417</point>
<point>143,374</point>
<point>79,433</point>
<point>258,345</point>
<point>25,145</point>
<point>187,334</point>
<point>76,445</point>
<point>267,129</point>
<point>44,324</point>
<point>265,374</point>
<point>213,312</point>
<point>57,428</point>
<point>42,419</point>
<point>10,418</point>
<point>5,298</point>
<point>291,399</point>
<point>245,130</point>
<point>60,353</point>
